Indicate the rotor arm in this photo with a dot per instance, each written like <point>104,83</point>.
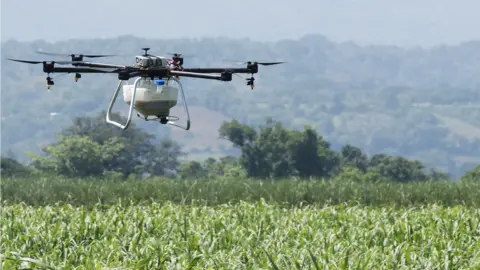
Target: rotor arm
<point>220,70</point>
<point>100,65</point>
<point>225,76</point>
<point>252,68</point>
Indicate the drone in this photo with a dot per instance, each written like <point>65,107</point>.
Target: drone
<point>152,93</point>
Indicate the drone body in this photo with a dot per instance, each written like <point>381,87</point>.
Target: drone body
<point>151,61</point>
<point>157,82</point>
<point>154,98</point>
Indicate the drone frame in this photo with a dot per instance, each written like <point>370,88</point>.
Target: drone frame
<point>126,72</point>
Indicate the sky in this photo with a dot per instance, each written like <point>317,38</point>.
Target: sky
<point>395,22</point>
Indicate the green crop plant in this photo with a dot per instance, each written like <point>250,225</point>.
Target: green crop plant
<point>243,235</point>
<point>42,191</point>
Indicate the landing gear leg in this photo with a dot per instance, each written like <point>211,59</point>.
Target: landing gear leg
<point>185,108</point>
<point>132,102</point>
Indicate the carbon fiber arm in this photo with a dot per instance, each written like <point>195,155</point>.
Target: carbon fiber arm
<point>220,70</point>
<point>224,76</point>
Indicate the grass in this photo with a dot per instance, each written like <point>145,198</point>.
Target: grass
<point>242,236</point>
<point>47,191</point>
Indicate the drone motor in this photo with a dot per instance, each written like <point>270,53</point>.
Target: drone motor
<point>250,81</point>
<point>50,82</point>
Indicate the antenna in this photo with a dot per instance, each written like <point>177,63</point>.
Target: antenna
<point>146,51</point>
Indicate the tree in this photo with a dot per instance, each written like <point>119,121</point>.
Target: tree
<point>11,167</point>
<point>163,159</point>
<point>275,152</point>
<point>78,156</point>
<point>237,133</point>
<point>192,169</point>
<point>437,175</point>
<point>138,144</point>
<point>91,147</point>
<point>398,169</point>
<point>312,154</point>
<point>472,174</point>
<point>352,156</point>
<point>211,168</point>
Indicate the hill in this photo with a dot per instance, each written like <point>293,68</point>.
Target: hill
<point>419,102</point>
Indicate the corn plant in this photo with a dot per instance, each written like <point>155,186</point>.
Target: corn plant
<point>243,235</point>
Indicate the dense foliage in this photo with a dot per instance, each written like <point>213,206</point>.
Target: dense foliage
<point>419,103</point>
<point>92,148</point>
<point>242,236</point>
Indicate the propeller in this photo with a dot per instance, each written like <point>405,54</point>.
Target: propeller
<point>78,56</point>
<point>178,60</point>
<point>180,55</point>
<point>254,62</point>
<point>48,68</point>
<point>267,63</point>
<point>43,62</point>
<point>262,63</point>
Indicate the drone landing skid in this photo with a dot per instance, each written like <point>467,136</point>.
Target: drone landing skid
<point>163,120</point>
<point>170,120</point>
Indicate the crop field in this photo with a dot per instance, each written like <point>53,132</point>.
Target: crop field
<point>242,236</point>
<point>70,224</point>
<point>43,191</point>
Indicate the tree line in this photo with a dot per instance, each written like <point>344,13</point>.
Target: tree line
<point>92,148</point>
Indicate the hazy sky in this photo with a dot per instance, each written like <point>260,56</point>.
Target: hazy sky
<point>400,22</point>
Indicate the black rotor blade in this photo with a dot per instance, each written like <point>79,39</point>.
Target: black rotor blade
<point>269,63</point>
<point>180,54</point>
<point>54,54</point>
<point>78,54</point>
<point>26,61</point>
<point>98,55</point>
<point>40,62</point>
<point>253,62</point>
